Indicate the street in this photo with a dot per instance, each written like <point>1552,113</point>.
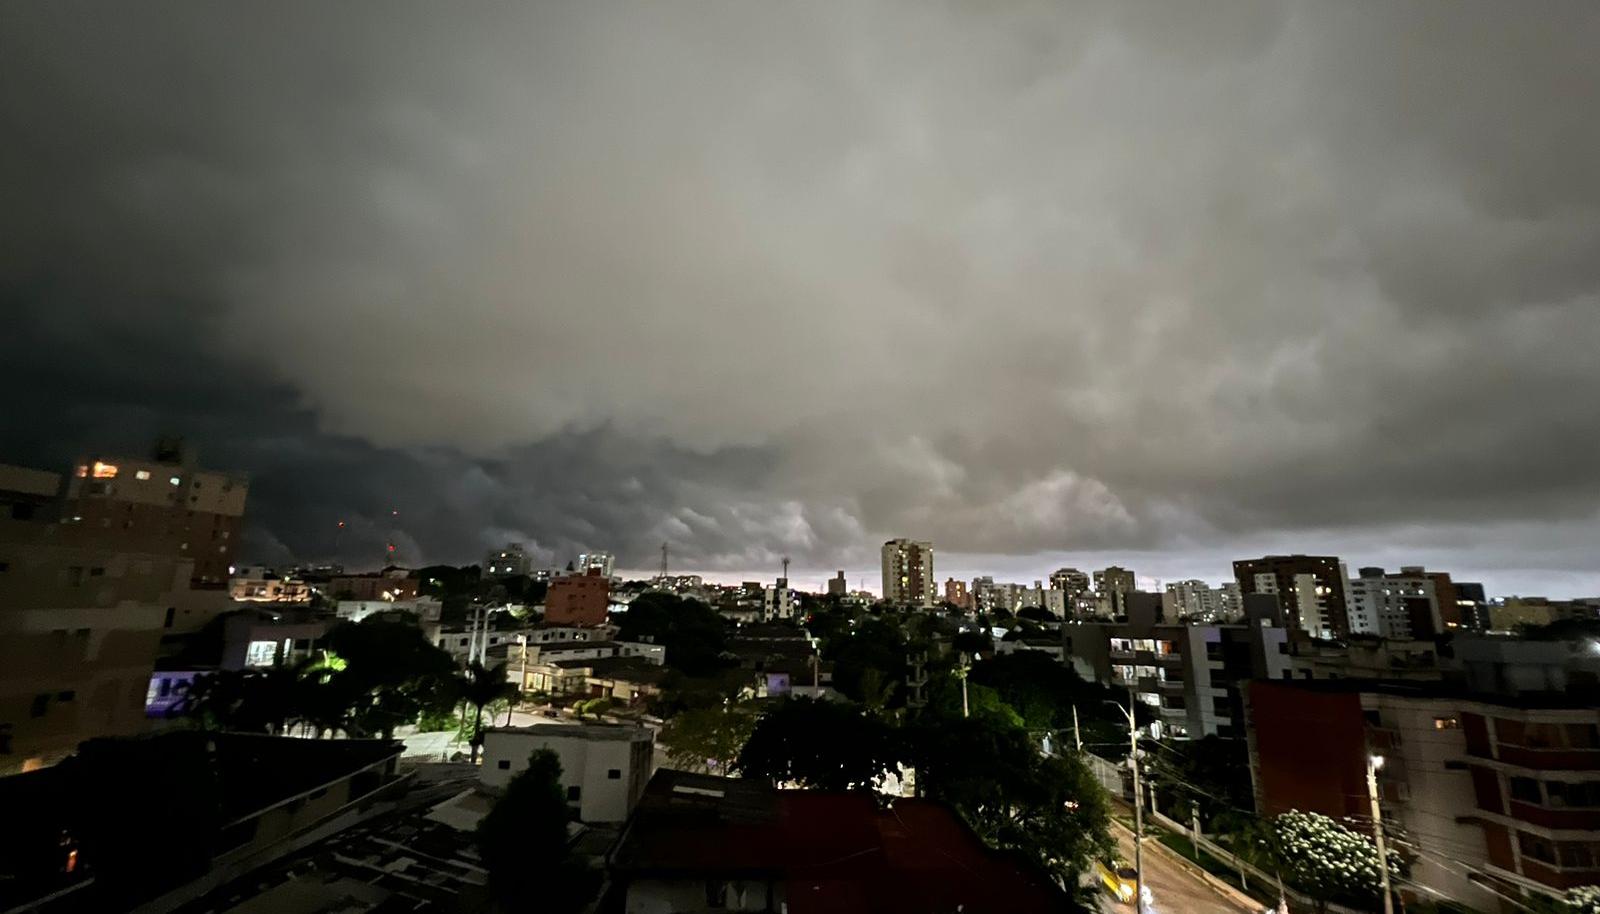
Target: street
<point>1172,890</point>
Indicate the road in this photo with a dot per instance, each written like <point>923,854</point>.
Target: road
<point>1172,890</point>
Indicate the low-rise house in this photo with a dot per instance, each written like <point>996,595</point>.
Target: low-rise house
<point>604,767</point>
<point>628,680</point>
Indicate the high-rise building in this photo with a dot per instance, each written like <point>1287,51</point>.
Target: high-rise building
<point>908,572</point>
<point>837,585</point>
<point>1310,590</point>
<point>957,594</point>
<point>1110,584</point>
<point>164,505</point>
<point>508,562</point>
<point>1399,605</point>
<point>1071,581</point>
<point>603,562</point>
<point>1472,605</point>
<point>777,601</point>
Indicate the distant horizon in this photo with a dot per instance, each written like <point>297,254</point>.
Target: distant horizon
<point>1060,285</point>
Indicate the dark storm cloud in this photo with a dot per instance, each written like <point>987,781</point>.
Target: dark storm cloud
<point>768,280</point>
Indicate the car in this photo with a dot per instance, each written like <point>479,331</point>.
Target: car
<point>1118,879</point>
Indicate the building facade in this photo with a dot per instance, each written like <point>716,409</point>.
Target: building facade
<point>80,630</point>
<point>604,767</point>
<point>1493,798</point>
<point>578,599</point>
<point>1110,585</point>
<point>511,561</point>
<point>602,563</point>
<point>1401,605</point>
<point>908,573</point>
<point>163,505</point>
<point>837,585</point>
<point>1190,676</point>
<point>1310,590</point>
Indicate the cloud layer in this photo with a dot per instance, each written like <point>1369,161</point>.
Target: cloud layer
<point>763,280</point>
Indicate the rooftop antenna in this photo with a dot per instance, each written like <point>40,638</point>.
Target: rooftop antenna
<point>786,568</point>
<point>663,560</point>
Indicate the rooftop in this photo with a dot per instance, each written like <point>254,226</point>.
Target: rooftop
<point>835,852</point>
<point>591,732</point>
<point>630,669</point>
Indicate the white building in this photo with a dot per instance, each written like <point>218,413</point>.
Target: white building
<point>777,602</point>
<point>603,562</point>
<point>1399,605</point>
<point>507,562</point>
<point>1200,602</point>
<point>908,573</point>
<point>426,609</point>
<point>604,767</point>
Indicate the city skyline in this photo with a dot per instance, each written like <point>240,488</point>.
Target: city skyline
<point>1162,290</point>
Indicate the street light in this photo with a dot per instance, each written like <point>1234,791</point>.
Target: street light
<point>1374,762</point>
<point>1138,806</point>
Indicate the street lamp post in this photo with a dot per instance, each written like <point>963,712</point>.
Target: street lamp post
<point>1138,804</point>
<point>1374,762</point>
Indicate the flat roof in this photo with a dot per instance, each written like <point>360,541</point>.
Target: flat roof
<point>594,732</point>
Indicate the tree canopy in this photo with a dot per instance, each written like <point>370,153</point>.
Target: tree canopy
<point>825,745</point>
<point>708,740</point>
<point>523,842</point>
<point>692,633</point>
<point>1327,860</point>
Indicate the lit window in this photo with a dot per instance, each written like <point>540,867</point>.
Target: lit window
<point>1446,723</point>
<point>105,470</point>
<point>261,654</point>
<point>141,474</point>
<point>175,480</point>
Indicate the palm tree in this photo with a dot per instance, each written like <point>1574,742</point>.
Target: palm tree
<point>480,688</point>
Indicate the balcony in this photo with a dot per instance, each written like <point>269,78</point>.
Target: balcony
<point>1554,817</point>
<point>1550,759</point>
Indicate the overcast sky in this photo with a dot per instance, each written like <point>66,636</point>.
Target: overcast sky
<point>1046,284</point>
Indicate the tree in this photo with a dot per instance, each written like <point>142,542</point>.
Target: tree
<point>391,674</point>
<point>1584,899</point>
<point>1051,810</point>
<point>708,740</point>
<point>973,643</point>
<point>1211,774</point>
<point>692,633</point>
<point>1040,688</point>
<point>824,745</point>
<point>944,699</point>
<point>875,644</point>
<point>1327,860</point>
<point>523,843</point>
<point>479,688</point>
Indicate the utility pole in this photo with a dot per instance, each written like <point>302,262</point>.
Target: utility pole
<point>1374,762</point>
<point>961,672</point>
<point>1138,803</point>
<point>1077,737</point>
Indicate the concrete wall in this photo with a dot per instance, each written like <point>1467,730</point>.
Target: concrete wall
<point>587,764</point>
<point>688,896</point>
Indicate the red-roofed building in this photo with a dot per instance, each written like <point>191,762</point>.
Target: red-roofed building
<point>698,842</point>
